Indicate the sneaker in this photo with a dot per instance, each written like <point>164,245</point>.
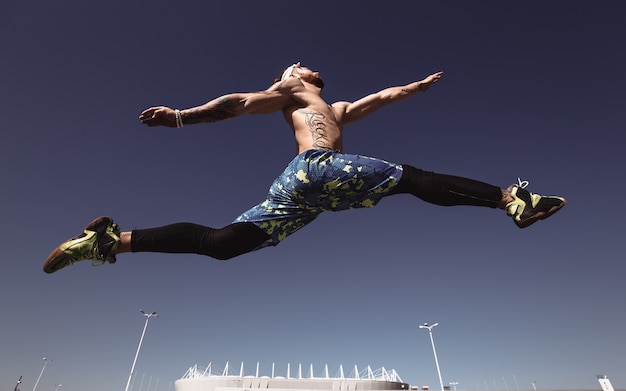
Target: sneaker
<point>98,240</point>
<point>526,207</point>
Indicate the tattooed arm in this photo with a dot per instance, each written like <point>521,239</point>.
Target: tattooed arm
<point>361,108</point>
<point>224,107</point>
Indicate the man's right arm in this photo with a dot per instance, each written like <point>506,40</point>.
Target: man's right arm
<point>224,107</point>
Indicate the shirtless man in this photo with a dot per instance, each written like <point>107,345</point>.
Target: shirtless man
<point>320,178</point>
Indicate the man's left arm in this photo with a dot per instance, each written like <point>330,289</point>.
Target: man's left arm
<point>363,107</point>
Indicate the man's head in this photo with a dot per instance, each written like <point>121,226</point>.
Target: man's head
<point>303,73</point>
<point>289,71</point>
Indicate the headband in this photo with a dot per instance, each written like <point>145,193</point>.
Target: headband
<point>289,71</point>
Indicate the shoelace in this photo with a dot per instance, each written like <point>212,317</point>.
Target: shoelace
<point>100,261</point>
<point>115,230</point>
<point>522,183</point>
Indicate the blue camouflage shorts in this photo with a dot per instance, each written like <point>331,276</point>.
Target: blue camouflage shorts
<point>316,181</point>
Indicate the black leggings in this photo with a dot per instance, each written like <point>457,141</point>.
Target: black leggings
<point>446,190</point>
<point>239,238</point>
<point>223,243</point>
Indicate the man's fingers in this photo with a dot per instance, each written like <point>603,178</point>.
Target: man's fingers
<point>148,115</point>
<point>151,111</point>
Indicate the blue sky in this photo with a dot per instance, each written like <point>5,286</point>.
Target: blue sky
<point>531,89</point>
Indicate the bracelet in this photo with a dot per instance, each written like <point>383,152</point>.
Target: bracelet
<point>179,119</point>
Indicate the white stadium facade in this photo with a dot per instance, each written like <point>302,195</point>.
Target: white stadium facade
<point>214,379</point>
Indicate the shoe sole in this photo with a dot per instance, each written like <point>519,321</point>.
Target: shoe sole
<point>540,216</point>
<point>57,257</point>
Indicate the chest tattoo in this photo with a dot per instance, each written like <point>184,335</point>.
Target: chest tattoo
<point>316,123</point>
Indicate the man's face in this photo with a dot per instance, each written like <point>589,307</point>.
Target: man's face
<point>308,75</point>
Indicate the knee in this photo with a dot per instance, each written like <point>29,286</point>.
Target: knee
<point>233,240</point>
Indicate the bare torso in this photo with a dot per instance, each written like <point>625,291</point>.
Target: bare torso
<point>315,123</point>
<point>315,127</point>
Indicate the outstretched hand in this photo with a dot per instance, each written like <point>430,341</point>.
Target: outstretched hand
<point>430,80</point>
<point>159,116</point>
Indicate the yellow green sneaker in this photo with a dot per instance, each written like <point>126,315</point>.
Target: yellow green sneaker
<point>98,240</point>
<point>526,207</point>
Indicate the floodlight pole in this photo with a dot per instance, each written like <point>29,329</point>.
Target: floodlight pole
<point>432,341</point>
<point>45,362</point>
<point>145,326</point>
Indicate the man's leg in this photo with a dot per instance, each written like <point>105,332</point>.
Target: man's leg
<point>223,243</point>
<point>101,240</point>
<point>449,190</point>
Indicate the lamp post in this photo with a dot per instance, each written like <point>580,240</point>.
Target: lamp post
<point>145,326</point>
<point>56,387</point>
<point>453,384</point>
<point>45,362</point>
<point>432,341</point>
